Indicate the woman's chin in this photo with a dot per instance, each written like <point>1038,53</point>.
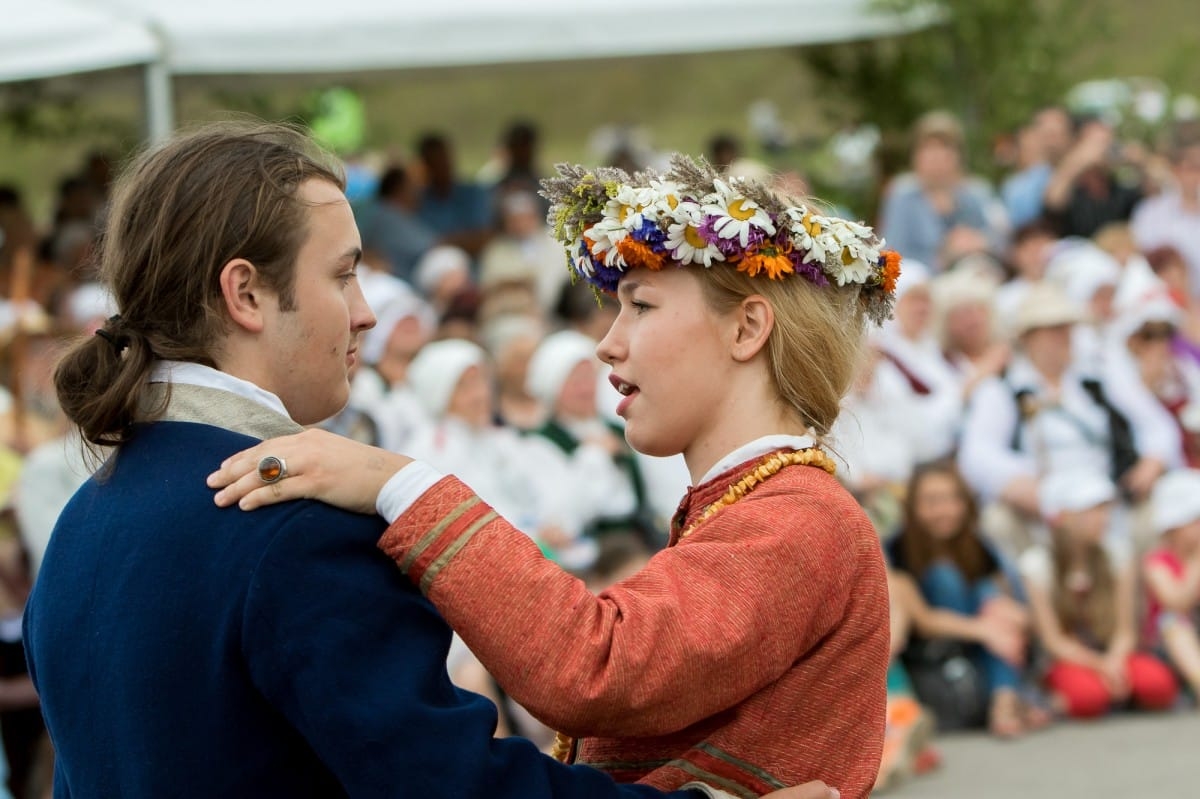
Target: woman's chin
<point>648,443</point>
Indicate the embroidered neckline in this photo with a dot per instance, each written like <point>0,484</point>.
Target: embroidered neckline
<point>769,466</point>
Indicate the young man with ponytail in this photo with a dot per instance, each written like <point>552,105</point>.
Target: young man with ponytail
<point>185,650</point>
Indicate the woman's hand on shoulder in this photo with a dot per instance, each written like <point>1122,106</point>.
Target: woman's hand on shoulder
<point>316,464</point>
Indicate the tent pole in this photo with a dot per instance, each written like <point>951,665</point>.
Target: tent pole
<point>160,101</point>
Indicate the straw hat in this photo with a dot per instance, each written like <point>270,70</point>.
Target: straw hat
<point>1045,305</point>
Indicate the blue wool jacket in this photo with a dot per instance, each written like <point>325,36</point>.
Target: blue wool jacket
<point>182,650</point>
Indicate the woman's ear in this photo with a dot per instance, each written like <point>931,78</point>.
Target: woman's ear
<point>755,320</point>
<point>242,291</point>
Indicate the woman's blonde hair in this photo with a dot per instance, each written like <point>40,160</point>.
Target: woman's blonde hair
<point>814,349</point>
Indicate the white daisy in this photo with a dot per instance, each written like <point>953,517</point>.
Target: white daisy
<point>810,234</point>
<point>603,236</point>
<point>684,239</point>
<point>737,215</point>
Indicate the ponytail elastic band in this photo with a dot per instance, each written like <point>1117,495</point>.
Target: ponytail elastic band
<point>119,343</point>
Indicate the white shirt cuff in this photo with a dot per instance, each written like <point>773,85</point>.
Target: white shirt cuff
<point>404,488</point>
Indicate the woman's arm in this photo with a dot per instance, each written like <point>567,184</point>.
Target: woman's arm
<point>1174,593</point>
<point>704,625</point>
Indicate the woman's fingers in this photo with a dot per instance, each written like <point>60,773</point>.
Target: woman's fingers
<point>315,464</point>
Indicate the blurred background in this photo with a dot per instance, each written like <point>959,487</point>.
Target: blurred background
<point>1036,162</point>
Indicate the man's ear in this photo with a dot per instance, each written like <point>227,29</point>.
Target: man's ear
<point>243,292</point>
<point>755,320</point>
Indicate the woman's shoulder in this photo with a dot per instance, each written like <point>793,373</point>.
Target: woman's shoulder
<point>809,492</point>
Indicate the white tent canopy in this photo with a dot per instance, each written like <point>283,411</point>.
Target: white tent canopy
<point>48,38</point>
<point>287,36</point>
<point>240,37</point>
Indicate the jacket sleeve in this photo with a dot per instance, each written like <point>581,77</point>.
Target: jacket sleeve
<point>704,625</point>
<point>985,456</point>
<point>354,658</point>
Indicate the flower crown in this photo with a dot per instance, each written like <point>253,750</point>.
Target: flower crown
<point>611,222</point>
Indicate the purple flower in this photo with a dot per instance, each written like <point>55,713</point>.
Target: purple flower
<point>730,248</point>
<point>809,271</point>
<point>652,234</point>
<point>605,277</point>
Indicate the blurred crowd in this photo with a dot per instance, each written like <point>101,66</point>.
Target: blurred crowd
<point>1023,433</point>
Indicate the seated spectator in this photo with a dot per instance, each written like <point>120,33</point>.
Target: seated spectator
<point>452,380</point>
<point>1082,593</point>
<point>1145,367</point>
<point>1084,193</point>
<point>877,453</point>
<point>922,208</point>
<point>1029,254</point>
<point>524,251</point>
<point>391,228</point>
<point>1173,217</point>
<point>591,480</point>
<point>967,329</point>
<point>1172,575</point>
<point>1045,416</point>
<point>1169,266</point>
<point>404,324</point>
<point>442,273</point>
<point>971,597</point>
<point>511,341</point>
<point>910,345</point>
<point>457,212</point>
<point>1089,277</point>
<point>518,168</point>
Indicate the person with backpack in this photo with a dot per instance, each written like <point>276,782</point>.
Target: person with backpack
<point>968,609</point>
<point>1045,415</point>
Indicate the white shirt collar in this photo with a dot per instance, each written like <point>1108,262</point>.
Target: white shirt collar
<point>757,447</point>
<point>194,374</point>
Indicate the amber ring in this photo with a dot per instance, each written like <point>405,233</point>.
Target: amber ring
<point>272,469</point>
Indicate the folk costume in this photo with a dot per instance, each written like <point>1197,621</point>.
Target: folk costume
<point>190,651</point>
<point>697,667</point>
<point>750,653</point>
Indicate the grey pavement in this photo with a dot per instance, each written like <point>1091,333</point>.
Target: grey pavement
<point>1121,757</point>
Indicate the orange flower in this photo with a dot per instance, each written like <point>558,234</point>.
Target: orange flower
<point>638,253</point>
<point>771,260</point>
<point>891,270</point>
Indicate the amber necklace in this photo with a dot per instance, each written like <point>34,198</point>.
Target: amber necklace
<point>768,466</point>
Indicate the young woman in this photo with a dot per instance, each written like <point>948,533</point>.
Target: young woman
<point>969,595</point>
<point>752,651</point>
<point>1082,593</point>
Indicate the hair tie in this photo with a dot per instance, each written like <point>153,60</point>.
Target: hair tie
<point>119,343</point>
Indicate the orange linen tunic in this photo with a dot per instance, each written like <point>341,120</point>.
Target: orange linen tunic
<point>750,655</point>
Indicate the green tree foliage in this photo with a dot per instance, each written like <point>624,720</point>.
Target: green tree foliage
<point>992,62</point>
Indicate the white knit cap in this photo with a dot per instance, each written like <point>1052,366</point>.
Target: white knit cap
<point>402,305</point>
<point>434,373</point>
<point>553,361</point>
<point>1074,490</point>
<point>439,262</point>
<point>1176,499</point>
<point>1156,308</point>
<point>1084,270</point>
<point>912,274</point>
